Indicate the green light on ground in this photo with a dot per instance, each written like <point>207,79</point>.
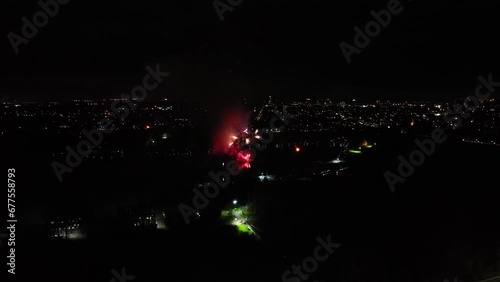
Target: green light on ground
<point>355,151</point>
<point>239,217</point>
<point>244,229</point>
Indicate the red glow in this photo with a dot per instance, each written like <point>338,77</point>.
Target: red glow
<point>245,165</point>
<point>231,126</point>
<point>234,138</point>
<point>243,160</point>
<point>297,149</point>
<point>243,157</point>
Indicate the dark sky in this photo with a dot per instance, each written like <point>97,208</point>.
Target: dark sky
<point>94,49</point>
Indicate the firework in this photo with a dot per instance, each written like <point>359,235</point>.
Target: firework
<point>234,138</point>
<point>239,147</point>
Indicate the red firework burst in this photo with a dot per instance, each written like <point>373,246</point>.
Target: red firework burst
<point>233,138</point>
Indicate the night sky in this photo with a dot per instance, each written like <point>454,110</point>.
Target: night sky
<point>289,49</point>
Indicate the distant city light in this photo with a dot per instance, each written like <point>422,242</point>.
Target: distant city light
<point>297,149</point>
<point>365,144</point>
<point>266,177</point>
<point>235,202</point>
<point>337,161</point>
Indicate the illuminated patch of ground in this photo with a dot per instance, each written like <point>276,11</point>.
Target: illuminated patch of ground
<point>244,229</point>
<point>239,217</point>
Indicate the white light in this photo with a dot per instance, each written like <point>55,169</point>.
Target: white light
<point>235,202</point>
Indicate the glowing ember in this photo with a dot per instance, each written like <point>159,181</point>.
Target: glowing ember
<point>243,157</point>
<point>244,165</point>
